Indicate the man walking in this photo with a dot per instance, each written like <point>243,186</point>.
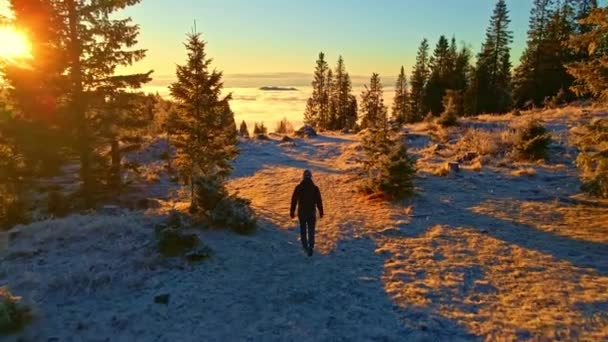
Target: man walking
<point>307,198</point>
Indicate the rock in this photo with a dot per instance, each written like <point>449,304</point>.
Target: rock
<point>198,255</point>
<point>467,157</point>
<point>171,242</point>
<point>438,147</point>
<point>110,210</point>
<point>286,139</point>
<point>148,203</point>
<point>306,131</point>
<point>162,299</point>
<point>262,137</point>
<point>453,167</point>
<point>13,235</point>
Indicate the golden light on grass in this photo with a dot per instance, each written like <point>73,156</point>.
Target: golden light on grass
<point>494,288</point>
<point>582,222</point>
<point>14,45</point>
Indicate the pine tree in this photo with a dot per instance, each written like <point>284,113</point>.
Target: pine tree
<point>418,81</point>
<point>535,76</point>
<point>205,134</point>
<point>591,74</point>
<point>121,115</point>
<point>460,77</point>
<point>441,70</point>
<point>259,128</point>
<point>401,102</point>
<point>243,130</point>
<point>341,97</point>
<point>351,115</point>
<point>492,77</point>
<point>583,10</point>
<point>329,121</point>
<point>388,167</point>
<point>373,110</point>
<point>317,106</point>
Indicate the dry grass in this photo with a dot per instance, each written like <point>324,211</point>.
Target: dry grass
<point>582,222</point>
<point>475,166</point>
<point>438,133</point>
<point>441,170</point>
<point>528,171</point>
<point>571,114</point>
<point>495,289</point>
<point>487,143</point>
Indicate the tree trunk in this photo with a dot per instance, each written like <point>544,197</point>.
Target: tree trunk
<point>115,168</point>
<point>78,105</point>
<point>192,206</point>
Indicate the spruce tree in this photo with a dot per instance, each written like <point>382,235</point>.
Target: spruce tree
<point>591,73</point>
<point>583,10</point>
<point>329,121</point>
<point>81,45</point>
<point>441,66</point>
<point>317,106</point>
<point>388,167</point>
<point>372,108</point>
<point>492,76</point>
<point>352,113</point>
<point>532,83</point>
<point>341,97</point>
<point>243,130</point>
<point>419,78</point>
<point>401,102</point>
<point>205,134</point>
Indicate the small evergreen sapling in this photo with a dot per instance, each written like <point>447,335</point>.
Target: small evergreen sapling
<point>531,141</point>
<point>593,158</point>
<point>243,130</point>
<point>449,117</point>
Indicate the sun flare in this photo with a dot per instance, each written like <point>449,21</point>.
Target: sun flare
<point>14,45</point>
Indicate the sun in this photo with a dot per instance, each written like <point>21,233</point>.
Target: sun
<point>14,45</point>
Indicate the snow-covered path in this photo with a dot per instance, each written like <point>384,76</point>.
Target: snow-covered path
<point>477,256</point>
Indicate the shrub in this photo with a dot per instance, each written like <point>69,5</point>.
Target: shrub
<point>259,129</point>
<point>284,127</point>
<point>531,141</point>
<point>235,213</point>
<point>13,211</point>
<point>388,167</point>
<point>13,316</point>
<point>397,172</point>
<point>243,130</point>
<point>171,241</point>
<point>494,143</point>
<point>57,204</point>
<point>165,155</point>
<point>209,192</point>
<point>449,117</point>
<point>221,210</point>
<point>593,158</point>
<point>516,112</point>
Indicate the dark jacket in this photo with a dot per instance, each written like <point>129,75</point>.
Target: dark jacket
<point>307,197</point>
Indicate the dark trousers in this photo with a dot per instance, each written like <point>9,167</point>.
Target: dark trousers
<point>307,232</point>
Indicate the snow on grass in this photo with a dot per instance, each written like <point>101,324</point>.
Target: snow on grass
<point>485,254</point>
<point>495,289</point>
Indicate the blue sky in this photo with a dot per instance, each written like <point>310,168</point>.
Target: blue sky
<point>270,36</point>
<point>282,38</point>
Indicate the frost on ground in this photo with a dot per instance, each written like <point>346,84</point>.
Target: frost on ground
<point>499,251</point>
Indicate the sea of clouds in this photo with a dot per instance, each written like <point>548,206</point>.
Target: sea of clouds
<point>252,104</point>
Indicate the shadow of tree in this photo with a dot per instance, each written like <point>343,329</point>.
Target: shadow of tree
<point>339,294</point>
<point>258,155</point>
